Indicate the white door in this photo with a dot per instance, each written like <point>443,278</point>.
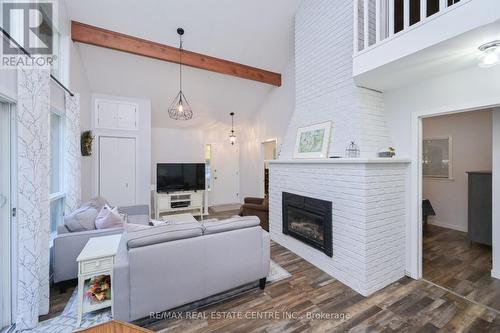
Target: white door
<point>5,217</point>
<point>225,177</point>
<point>117,177</point>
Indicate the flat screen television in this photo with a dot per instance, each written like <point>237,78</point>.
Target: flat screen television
<point>171,177</point>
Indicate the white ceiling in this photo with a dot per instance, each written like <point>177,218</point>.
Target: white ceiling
<point>258,33</point>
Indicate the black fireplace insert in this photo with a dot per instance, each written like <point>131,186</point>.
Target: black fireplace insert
<point>308,220</point>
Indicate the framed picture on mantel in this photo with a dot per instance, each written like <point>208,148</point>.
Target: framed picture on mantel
<point>312,141</point>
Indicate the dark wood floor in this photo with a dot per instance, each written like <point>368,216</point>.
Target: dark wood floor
<point>451,262</point>
<point>295,304</point>
<point>405,306</point>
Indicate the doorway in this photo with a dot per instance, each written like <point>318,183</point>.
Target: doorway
<point>269,153</point>
<point>456,173</point>
<point>6,232</point>
<point>225,182</point>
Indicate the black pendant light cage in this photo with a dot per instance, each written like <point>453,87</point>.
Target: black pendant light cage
<point>180,108</point>
<point>232,137</point>
<point>352,150</point>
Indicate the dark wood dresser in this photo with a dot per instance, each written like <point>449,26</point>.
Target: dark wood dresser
<point>480,207</point>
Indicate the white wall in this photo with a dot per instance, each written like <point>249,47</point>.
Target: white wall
<point>271,122</point>
<point>170,145</point>
<point>324,86</point>
<point>471,89</point>
<point>471,151</point>
<point>79,84</point>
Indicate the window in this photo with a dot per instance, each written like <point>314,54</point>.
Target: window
<point>57,194</point>
<point>208,169</point>
<point>436,159</point>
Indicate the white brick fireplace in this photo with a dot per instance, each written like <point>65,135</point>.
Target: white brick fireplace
<point>368,194</point>
<point>368,215</point>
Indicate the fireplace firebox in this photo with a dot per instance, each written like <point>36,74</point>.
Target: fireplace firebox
<point>308,220</point>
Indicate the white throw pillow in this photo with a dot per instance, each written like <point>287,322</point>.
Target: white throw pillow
<point>108,218</point>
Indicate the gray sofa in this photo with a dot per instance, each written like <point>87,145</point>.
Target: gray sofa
<point>167,266</point>
<point>68,245</point>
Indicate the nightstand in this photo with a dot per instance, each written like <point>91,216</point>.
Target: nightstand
<point>97,258</point>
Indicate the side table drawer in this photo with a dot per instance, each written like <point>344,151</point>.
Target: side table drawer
<point>96,265</point>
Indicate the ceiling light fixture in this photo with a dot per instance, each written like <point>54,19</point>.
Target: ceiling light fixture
<point>232,137</point>
<point>490,54</point>
<point>180,108</point>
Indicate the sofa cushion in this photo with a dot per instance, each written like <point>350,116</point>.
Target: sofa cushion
<point>131,227</point>
<point>163,233</point>
<point>233,223</point>
<point>82,219</point>
<point>109,218</point>
<point>138,219</point>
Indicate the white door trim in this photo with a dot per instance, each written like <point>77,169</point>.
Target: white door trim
<point>263,161</point>
<point>414,229</point>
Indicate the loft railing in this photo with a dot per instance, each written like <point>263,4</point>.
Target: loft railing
<point>380,20</point>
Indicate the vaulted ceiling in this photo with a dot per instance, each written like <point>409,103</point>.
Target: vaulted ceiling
<point>258,33</point>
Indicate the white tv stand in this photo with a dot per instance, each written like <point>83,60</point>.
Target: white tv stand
<point>173,202</point>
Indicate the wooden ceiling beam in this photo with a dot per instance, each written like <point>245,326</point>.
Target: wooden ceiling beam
<point>87,34</point>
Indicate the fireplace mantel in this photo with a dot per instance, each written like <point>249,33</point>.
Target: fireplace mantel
<point>369,200</point>
<point>343,161</point>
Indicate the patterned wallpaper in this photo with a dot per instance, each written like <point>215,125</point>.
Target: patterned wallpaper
<point>33,194</point>
<point>72,167</point>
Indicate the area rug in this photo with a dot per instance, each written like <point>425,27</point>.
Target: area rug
<point>66,321</point>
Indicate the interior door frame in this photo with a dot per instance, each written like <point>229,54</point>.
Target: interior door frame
<point>97,162</point>
<point>414,229</point>
<point>263,161</point>
<point>12,207</point>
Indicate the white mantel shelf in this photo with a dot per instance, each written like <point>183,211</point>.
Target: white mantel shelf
<point>344,161</point>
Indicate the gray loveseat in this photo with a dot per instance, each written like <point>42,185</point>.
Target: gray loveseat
<point>68,245</point>
<point>167,266</point>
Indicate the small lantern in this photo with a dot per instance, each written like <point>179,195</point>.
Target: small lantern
<point>232,137</point>
<point>352,150</point>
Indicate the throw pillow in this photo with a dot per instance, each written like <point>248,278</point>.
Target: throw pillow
<point>82,219</point>
<point>108,218</point>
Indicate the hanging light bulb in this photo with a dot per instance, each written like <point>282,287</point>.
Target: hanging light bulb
<point>490,54</point>
<point>180,108</point>
<point>232,137</point>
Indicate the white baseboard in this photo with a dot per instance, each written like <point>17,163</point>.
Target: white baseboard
<point>495,274</point>
<point>448,226</point>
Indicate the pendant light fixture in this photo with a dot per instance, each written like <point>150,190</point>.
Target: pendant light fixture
<point>232,137</point>
<point>180,108</point>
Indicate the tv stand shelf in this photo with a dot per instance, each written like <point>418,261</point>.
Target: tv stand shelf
<point>174,202</point>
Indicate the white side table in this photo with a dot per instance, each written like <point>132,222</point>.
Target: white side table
<point>96,258</point>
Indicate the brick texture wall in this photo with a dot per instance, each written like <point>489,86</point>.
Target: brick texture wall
<point>325,89</point>
<point>368,198</point>
<point>368,215</point>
